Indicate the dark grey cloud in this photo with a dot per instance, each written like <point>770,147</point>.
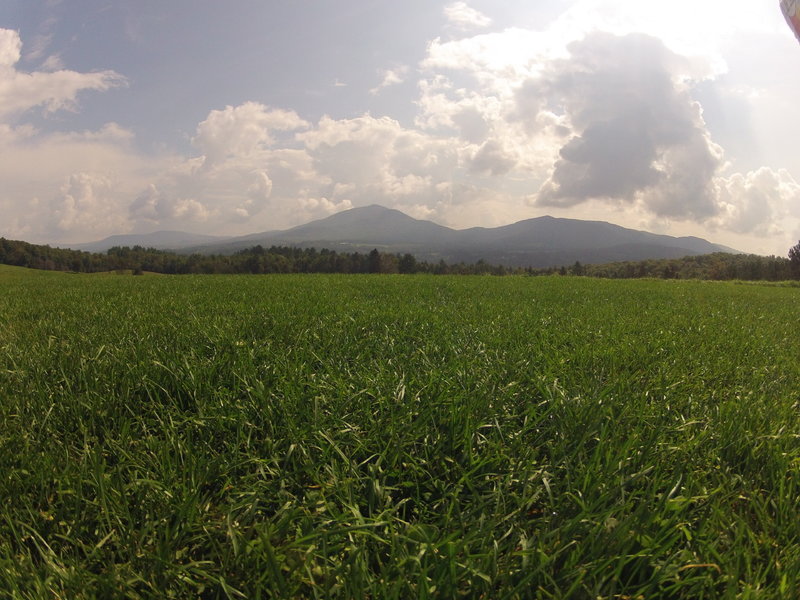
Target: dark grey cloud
<point>636,132</point>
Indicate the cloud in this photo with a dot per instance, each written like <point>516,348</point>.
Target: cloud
<point>391,77</point>
<point>53,63</point>
<point>72,186</point>
<point>636,134</point>
<point>261,188</point>
<point>760,202</point>
<point>189,209</point>
<point>242,130</point>
<point>55,91</point>
<point>324,205</point>
<point>492,158</point>
<point>258,194</point>
<point>244,158</point>
<point>10,48</point>
<point>378,157</point>
<point>154,206</point>
<point>490,69</point>
<point>83,202</point>
<point>463,16</point>
<point>148,205</point>
<point>494,59</point>
<point>38,47</point>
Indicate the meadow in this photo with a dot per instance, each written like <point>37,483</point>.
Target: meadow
<point>397,436</point>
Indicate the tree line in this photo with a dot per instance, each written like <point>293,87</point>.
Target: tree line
<point>256,260</point>
<point>718,266</point>
<point>285,259</point>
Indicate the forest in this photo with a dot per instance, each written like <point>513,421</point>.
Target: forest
<point>284,259</point>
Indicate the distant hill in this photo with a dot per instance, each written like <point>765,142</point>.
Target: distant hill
<point>160,240</point>
<point>539,242</point>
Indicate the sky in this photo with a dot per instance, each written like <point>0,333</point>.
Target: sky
<point>232,118</point>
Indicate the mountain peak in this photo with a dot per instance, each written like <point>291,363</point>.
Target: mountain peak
<point>374,211</point>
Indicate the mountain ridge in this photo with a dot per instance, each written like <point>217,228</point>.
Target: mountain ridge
<point>160,240</point>
<point>537,242</point>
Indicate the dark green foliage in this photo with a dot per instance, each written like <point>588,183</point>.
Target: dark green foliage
<point>374,261</point>
<point>718,266</point>
<point>794,259</point>
<point>397,437</point>
<point>407,264</point>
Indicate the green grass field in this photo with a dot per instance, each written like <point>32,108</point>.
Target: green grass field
<point>397,437</point>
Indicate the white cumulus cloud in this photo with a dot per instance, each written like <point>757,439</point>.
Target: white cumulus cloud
<point>21,91</point>
<point>84,202</point>
<point>762,202</point>
<point>242,130</point>
<point>391,77</point>
<point>10,48</point>
<point>464,16</point>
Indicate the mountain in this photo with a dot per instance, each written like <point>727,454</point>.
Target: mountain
<point>160,240</point>
<point>354,230</point>
<point>539,242</point>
